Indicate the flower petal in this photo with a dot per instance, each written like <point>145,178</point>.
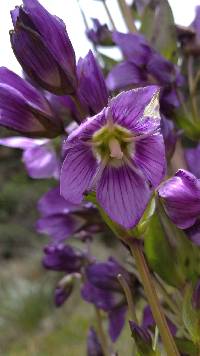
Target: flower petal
<point>181,198</point>
<point>149,156</point>
<point>41,162</point>
<point>125,74</point>
<point>53,203</point>
<point>135,108</point>
<point>77,172</point>
<point>116,321</point>
<point>123,194</point>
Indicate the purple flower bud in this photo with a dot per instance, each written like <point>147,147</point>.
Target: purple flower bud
<point>196,296</point>
<point>99,34</point>
<point>181,198</point>
<point>140,334</point>
<point>61,295</point>
<point>92,90</point>
<point>93,345</point>
<point>42,46</point>
<point>62,257</point>
<point>24,109</point>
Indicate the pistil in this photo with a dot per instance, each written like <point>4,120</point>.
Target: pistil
<point>115,149</point>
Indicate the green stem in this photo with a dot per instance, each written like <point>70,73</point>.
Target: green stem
<point>149,288</point>
<point>127,15</point>
<point>129,297</point>
<point>109,14</point>
<point>101,334</point>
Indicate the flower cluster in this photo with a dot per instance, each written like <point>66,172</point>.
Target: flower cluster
<point>124,152</point>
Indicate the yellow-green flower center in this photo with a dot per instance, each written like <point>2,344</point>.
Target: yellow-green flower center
<point>112,142</point>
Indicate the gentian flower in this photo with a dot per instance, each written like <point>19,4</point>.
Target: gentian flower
<point>42,46</point>
<point>61,257</point>
<point>24,109</point>
<point>39,157</point>
<point>180,196</point>
<point>104,291</point>
<point>93,345</point>
<point>92,91</point>
<point>143,66</point>
<point>58,219</point>
<point>119,153</point>
<point>99,34</point>
<point>63,290</point>
<point>142,338</point>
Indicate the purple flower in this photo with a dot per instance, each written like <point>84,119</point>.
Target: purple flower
<point>62,257</point>
<point>93,345</point>
<point>92,90</point>
<point>63,290</point>
<point>119,153</point>
<point>24,109</point>
<point>39,156</point>
<point>102,289</point>
<point>142,338</point>
<point>192,156</point>
<point>58,216</point>
<point>181,198</point>
<point>42,46</point>
<point>99,34</point>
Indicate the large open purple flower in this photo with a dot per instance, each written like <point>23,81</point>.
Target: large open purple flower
<point>120,154</point>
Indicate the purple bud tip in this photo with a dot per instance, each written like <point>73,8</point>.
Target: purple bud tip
<point>139,332</point>
<point>196,296</point>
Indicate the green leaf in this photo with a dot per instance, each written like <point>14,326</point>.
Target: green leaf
<point>187,347</point>
<point>191,317</point>
<point>160,253</point>
<point>158,27</point>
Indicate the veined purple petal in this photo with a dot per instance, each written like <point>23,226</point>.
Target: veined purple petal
<point>31,96</point>
<point>41,162</point>
<point>125,74</point>
<point>91,84</point>
<point>181,198</point>
<point>15,114</point>
<point>123,194</point>
<point>59,227</point>
<point>54,33</point>
<point>116,321</point>
<point>149,156</point>
<point>77,172</point>
<point>53,203</point>
<point>128,109</point>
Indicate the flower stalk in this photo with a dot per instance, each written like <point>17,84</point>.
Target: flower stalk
<point>101,334</point>
<point>152,297</point>
<point>129,297</point>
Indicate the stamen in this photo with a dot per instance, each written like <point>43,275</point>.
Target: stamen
<point>115,149</point>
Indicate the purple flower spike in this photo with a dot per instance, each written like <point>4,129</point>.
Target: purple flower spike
<point>181,198</point>
<point>120,153</point>
<point>92,90</point>
<point>25,109</point>
<point>93,345</point>
<point>39,156</point>
<point>42,46</point>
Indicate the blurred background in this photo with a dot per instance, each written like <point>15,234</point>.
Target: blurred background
<point>29,322</point>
